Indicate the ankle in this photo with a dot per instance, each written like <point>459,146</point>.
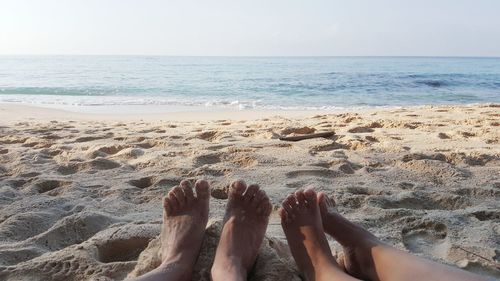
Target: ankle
<point>228,271</point>
<point>346,231</point>
<point>324,269</point>
<point>180,259</point>
<point>179,269</point>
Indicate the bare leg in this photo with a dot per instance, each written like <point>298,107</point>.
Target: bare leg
<point>245,223</point>
<point>301,221</point>
<point>185,216</point>
<point>366,257</point>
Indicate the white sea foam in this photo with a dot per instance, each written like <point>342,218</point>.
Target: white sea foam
<point>72,103</point>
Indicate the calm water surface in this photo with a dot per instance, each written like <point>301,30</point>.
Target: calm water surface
<point>259,83</point>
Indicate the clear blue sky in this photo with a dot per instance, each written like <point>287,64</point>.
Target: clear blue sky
<point>251,27</point>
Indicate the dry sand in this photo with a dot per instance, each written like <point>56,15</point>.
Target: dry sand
<point>80,193</point>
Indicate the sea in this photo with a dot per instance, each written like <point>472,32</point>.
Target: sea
<point>242,83</point>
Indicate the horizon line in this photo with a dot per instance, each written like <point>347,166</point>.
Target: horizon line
<point>249,56</point>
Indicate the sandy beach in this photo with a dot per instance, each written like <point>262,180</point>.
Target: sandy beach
<point>80,193</point>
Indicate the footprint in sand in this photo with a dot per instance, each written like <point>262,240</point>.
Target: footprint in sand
<point>95,164</point>
<point>417,200</point>
<point>168,182</point>
<point>44,186</point>
<point>75,228</point>
<point>207,159</point>
<point>102,164</point>
<point>122,250</point>
<point>427,237</point>
<point>243,160</point>
<point>437,170</point>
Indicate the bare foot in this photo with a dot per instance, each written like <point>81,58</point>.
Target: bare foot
<point>356,241</point>
<point>245,223</point>
<point>301,221</point>
<point>185,216</point>
<point>368,258</point>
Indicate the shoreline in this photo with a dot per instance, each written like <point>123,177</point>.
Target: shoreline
<point>21,112</point>
<point>24,112</point>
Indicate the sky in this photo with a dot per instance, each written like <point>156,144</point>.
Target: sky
<point>251,27</point>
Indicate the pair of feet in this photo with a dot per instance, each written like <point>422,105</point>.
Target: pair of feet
<point>184,220</point>
<point>305,215</point>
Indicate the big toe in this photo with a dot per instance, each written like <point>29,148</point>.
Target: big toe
<point>311,197</point>
<point>301,199</point>
<point>325,203</point>
<point>237,188</point>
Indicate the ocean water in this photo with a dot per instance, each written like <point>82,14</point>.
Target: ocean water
<point>278,83</point>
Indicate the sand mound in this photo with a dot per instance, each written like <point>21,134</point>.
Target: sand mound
<point>269,265</point>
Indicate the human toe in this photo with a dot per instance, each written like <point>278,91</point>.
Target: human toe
<point>202,189</point>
